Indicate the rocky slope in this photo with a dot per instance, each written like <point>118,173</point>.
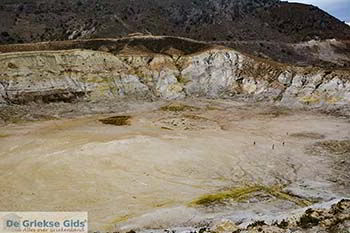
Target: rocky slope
<point>164,72</point>
<point>269,29</point>
<point>208,20</point>
<point>329,54</point>
<point>333,216</point>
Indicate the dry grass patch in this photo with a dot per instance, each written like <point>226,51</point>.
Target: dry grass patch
<point>309,135</point>
<point>337,147</point>
<point>3,135</point>
<point>178,107</point>
<point>116,120</point>
<point>245,193</point>
<point>275,112</point>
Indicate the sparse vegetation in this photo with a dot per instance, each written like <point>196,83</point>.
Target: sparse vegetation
<point>178,107</point>
<point>116,120</point>
<point>49,20</point>
<point>256,224</point>
<point>336,147</point>
<point>275,112</point>
<point>121,219</point>
<point>194,117</point>
<point>310,99</point>
<point>166,128</point>
<point>307,135</point>
<point>12,66</point>
<point>244,193</point>
<point>307,220</point>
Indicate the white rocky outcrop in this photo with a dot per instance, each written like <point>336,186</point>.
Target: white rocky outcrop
<point>66,75</point>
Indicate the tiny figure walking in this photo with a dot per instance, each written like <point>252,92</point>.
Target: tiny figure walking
<point>283,143</point>
<point>254,143</point>
<point>273,146</point>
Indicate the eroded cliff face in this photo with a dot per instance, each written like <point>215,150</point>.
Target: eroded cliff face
<point>50,76</point>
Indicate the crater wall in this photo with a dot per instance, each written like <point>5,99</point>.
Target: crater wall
<point>67,75</point>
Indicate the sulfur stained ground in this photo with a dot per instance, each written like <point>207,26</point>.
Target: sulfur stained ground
<point>159,167</point>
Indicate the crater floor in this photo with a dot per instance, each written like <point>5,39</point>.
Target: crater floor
<point>147,171</point>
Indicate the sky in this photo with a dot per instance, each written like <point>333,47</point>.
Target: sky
<point>337,8</point>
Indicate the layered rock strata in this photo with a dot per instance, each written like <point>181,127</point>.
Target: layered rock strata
<point>67,75</point>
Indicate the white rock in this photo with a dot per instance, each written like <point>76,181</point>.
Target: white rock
<point>285,78</point>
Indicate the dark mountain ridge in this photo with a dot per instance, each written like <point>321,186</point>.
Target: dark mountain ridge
<point>205,20</point>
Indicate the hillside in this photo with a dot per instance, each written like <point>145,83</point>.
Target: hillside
<point>158,67</point>
<point>207,20</point>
